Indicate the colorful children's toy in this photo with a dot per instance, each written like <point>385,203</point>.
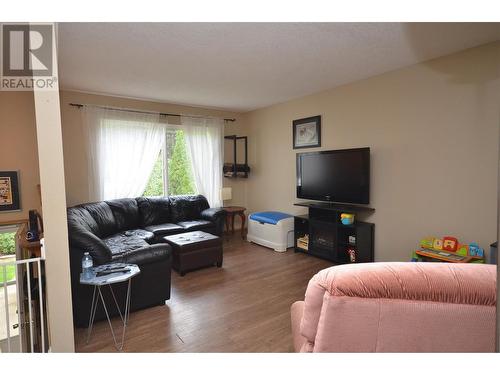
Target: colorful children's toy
<point>427,243</point>
<point>438,244</point>
<point>475,250</point>
<point>448,249</point>
<point>463,250</point>
<point>347,219</point>
<point>450,243</point>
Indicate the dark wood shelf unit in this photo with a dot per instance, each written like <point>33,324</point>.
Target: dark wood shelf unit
<point>329,238</point>
<point>233,170</point>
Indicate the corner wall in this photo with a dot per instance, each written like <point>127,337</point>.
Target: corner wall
<point>433,132</point>
<point>18,149</point>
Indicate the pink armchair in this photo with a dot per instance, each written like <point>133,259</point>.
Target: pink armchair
<point>398,307</point>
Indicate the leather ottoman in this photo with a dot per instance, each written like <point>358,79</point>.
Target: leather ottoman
<point>194,250</point>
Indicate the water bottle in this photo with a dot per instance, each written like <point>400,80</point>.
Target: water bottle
<point>87,264</point>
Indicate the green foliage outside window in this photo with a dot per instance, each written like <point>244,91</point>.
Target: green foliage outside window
<point>7,244</point>
<point>180,180</point>
<point>11,274</point>
<point>7,247</point>
<point>155,184</point>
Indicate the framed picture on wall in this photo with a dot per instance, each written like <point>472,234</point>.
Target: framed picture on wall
<point>307,132</point>
<point>9,191</point>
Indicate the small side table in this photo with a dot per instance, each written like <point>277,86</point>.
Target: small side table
<point>113,278</point>
<point>231,211</point>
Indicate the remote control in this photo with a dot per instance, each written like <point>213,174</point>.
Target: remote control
<point>103,273</point>
<point>115,267</point>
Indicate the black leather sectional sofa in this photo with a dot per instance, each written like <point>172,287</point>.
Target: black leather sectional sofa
<point>131,230</point>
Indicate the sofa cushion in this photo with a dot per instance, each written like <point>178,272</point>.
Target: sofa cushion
<point>153,210</point>
<point>103,216</point>
<point>144,255</point>
<point>141,233</point>
<point>195,224</point>
<point>123,242</point>
<point>126,213</point>
<point>164,229</point>
<point>187,207</point>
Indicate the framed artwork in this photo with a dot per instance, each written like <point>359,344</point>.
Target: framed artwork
<point>9,191</point>
<point>307,132</point>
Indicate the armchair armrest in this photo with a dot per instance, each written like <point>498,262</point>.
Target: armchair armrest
<point>213,214</point>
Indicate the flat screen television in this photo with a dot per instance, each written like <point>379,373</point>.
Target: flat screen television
<point>341,176</point>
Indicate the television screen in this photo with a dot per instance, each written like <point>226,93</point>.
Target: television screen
<point>336,176</point>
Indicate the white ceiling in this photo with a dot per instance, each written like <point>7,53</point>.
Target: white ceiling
<point>244,66</point>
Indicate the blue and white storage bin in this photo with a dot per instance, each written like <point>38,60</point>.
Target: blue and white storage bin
<point>271,229</point>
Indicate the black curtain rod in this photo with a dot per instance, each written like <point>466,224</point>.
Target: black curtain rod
<point>137,111</point>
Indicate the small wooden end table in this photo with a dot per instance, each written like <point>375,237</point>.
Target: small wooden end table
<point>231,211</point>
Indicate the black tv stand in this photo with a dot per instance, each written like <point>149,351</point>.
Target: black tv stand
<point>328,238</point>
<point>340,207</point>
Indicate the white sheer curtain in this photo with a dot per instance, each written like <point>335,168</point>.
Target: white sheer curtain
<point>204,141</point>
<point>122,150</point>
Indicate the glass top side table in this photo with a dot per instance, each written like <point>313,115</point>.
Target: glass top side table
<point>127,273</point>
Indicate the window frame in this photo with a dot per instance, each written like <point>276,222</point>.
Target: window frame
<point>9,228</point>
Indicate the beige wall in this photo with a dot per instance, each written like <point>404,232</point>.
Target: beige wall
<point>433,133</point>
<point>75,159</point>
<point>18,149</point>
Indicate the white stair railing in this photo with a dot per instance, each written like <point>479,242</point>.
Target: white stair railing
<point>35,323</point>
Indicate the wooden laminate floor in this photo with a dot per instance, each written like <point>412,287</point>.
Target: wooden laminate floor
<point>242,307</point>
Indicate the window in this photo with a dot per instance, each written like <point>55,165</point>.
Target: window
<point>8,281</point>
<point>172,173</point>
<point>7,251</point>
